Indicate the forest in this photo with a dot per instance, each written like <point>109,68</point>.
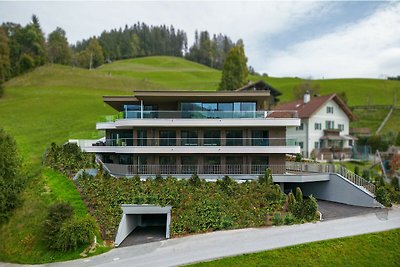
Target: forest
<point>23,48</point>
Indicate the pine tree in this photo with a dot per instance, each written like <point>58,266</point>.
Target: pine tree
<point>235,71</point>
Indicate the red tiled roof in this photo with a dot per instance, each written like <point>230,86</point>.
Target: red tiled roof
<point>305,110</point>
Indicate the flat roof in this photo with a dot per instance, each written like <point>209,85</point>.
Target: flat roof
<point>152,97</point>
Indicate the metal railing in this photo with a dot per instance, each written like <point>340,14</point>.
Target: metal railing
<point>239,169</point>
<point>171,169</point>
<point>197,142</point>
<point>190,114</point>
<point>302,167</point>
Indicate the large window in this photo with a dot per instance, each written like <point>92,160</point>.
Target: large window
<point>329,125</point>
<point>120,138</point>
<point>167,138</point>
<point>234,138</point>
<point>212,165</point>
<point>212,138</point>
<point>188,138</point>
<point>218,110</point>
<point>167,160</point>
<point>134,111</point>
<point>125,159</point>
<point>259,138</point>
<point>189,164</point>
<point>141,137</point>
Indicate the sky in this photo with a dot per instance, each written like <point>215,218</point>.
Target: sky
<point>307,39</point>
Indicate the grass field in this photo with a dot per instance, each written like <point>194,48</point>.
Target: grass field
<point>377,249</point>
<point>55,103</point>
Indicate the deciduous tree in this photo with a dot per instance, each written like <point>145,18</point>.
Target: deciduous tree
<point>235,71</point>
<point>58,49</point>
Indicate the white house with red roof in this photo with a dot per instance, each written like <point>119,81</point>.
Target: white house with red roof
<point>324,130</point>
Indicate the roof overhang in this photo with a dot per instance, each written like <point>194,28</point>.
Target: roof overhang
<point>154,97</point>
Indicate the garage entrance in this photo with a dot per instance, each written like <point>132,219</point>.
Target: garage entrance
<point>142,224</point>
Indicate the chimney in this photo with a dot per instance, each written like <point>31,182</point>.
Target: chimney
<point>306,97</point>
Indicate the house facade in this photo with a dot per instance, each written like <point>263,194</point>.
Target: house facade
<point>184,132</point>
<point>324,130</point>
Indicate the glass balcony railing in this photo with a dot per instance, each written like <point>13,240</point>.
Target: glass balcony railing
<point>198,142</point>
<point>163,114</point>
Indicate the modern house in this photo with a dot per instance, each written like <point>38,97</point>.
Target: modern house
<point>324,130</point>
<point>211,133</point>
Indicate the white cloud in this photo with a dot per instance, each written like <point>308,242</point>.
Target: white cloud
<point>369,48</point>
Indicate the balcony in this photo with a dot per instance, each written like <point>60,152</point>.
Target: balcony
<point>195,146</point>
<point>229,169</point>
<point>281,118</point>
<point>197,142</point>
<point>176,114</point>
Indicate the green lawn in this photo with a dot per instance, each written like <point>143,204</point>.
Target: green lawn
<point>377,249</point>
<point>55,103</point>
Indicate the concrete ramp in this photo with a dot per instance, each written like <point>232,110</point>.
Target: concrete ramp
<point>336,189</point>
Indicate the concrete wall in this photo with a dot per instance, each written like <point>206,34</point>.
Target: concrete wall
<point>132,217</point>
<point>128,223</point>
<point>337,189</point>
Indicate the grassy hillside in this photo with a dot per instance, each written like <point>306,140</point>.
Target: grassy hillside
<point>54,103</point>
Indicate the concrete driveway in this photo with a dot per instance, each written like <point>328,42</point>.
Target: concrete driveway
<point>333,210</point>
<point>214,245</point>
<point>142,235</point>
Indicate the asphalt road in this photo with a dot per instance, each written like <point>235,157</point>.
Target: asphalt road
<point>214,245</point>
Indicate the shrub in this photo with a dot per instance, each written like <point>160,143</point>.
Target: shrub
<point>298,157</point>
<point>357,170</point>
<point>67,159</point>
<point>227,185</point>
<point>306,209</point>
<point>394,182</point>
<point>266,178</point>
<point>291,201</point>
<point>366,174</point>
<point>277,219</point>
<point>382,196</point>
<point>11,180</point>
<point>194,180</point>
<point>158,178</point>
<point>74,233</point>
<point>289,219</point>
<point>299,194</point>
<point>58,213</point>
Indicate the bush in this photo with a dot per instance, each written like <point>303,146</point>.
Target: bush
<point>277,219</point>
<point>227,185</point>
<point>194,180</point>
<point>366,174</point>
<point>289,219</point>
<point>291,201</point>
<point>383,197</point>
<point>67,159</point>
<point>58,213</point>
<point>298,157</point>
<point>11,180</point>
<point>357,170</point>
<point>306,209</point>
<point>299,195</point>
<point>75,233</point>
<point>225,204</point>
<point>266,178</point>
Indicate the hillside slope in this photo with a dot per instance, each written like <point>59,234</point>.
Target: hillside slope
<point>55,103</point>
